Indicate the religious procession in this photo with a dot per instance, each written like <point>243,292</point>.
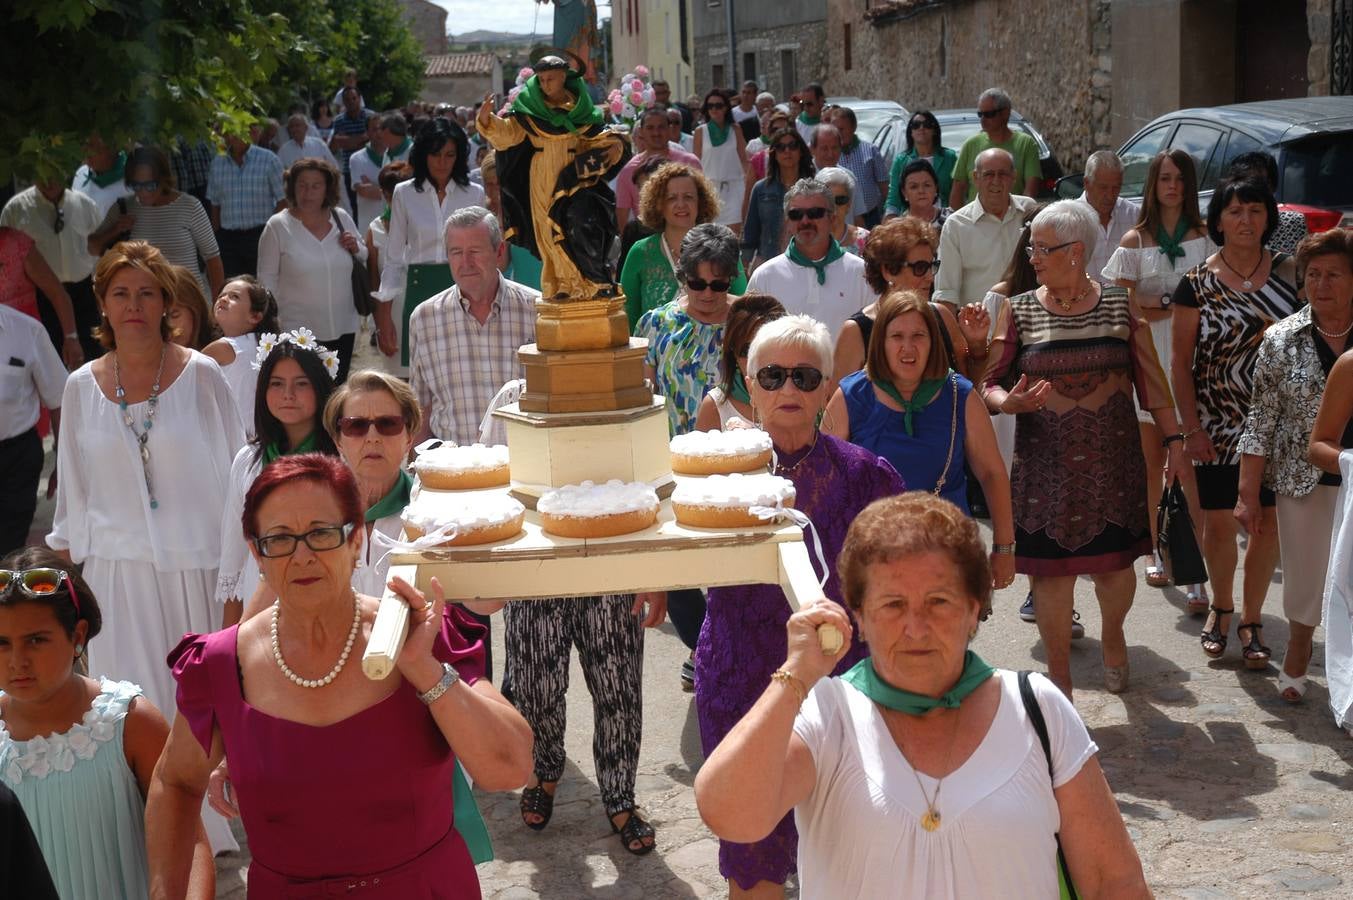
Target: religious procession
<point>786,429</point>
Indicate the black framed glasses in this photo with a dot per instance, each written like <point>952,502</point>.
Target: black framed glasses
<point>920,267</point>
<point>989,114</point>
<point>1032,252</point>
<point>718,286</point>
<point>812,212</point>
<point>841,200</point>
<point>717,106</point>
<point>356,426</point>
<point>784,146</point>
<point>920,123</point>
<point>805,378</point>
<point>327,537</point>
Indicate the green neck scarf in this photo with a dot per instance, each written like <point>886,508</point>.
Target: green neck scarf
<point>834,252</point>
<point>385,214</point>
<point>864,679</point>
<point>717,133</point>
<point>739,387</point>
<point>116,173</point>
<point>272,451</point>
<point>924,393</point>
<point>1171,244</point>
<point>393,502</point>
<point>373,156</point>
<point>803,117</point>
<point>401,150</point>
<point>531,101</point>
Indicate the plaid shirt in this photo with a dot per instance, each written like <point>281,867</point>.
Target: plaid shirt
<point>870,170</point>
<point>247,194</point>
<point>456,365</point>
<point>192,163</point>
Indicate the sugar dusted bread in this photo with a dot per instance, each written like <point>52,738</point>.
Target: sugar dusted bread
<point>720,452</point>
<point>465,468</point>
<point>591,510</point>
<point>726,501</point>
<point>478,518</point>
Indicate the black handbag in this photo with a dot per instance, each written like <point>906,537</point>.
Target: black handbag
<point>1176,540</point>
<point>361,281</point>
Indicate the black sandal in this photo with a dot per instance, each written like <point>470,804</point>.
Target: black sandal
<point>536,801</point>
<point>1255,654</point>
<point>634,831</point>
<point>1215,634</point>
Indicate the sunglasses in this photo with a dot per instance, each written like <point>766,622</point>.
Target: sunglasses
<point>918,268</point>
<point>147,186</point>
<point>700,284</point>
<point>717,106</point>
<point>813,212</point>
<point>328,537</point>
<point>60,222</point>
<point>356,426</point>
<point>921,124</point>
<point>842,200</point>
<point>805,378</point>
<point>784,146</point>
<point>989,114</point>
<point>38,583</point>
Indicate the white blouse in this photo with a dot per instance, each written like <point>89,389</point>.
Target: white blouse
<point>1151,270</point>
<point>237,574</point>
<point>310,277</point>
<point>860,830</point>
<point>243,377</point>
<point>102,507</point>
<point>416,230</point>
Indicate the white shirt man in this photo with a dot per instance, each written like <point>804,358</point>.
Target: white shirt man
<point>814,276</point>
<point>33,376</point>
<point>1115,215</point>
<point>60,222</point>
<point>101,177</point>
<point>979,239</point>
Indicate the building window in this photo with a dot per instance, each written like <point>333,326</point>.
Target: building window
<point>749,67</point>
<point>788,78</point>
<point>846,35</point>
<point>685,31</point>
<point>718,75</point>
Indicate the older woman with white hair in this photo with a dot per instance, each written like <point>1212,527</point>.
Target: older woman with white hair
<point>1067,359</point>
<point>743,638</point>
<point>841,182</point>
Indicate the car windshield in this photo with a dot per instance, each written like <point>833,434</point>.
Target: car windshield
<point>1316,171</point>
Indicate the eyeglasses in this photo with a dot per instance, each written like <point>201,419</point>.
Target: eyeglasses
<point>356,426</point>
<point>700,284</point>
<point>805,378</point>
<point>784,146</point>
<point>918,268</point>
<point>841,200</point>
<point>38,583</point>
<point>60,222</point>
<point>921,123</point>
<point>147,186</point>
<point>812,212</point>
<point>717,106</point>
<point>329,537</point>
<point>989,114</point>
<point>1031,252</point>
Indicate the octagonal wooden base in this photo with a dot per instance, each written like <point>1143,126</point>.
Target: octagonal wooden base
<point>578,381</point>
<point>582,324</point>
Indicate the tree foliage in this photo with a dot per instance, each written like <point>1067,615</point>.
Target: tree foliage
<point>130,70</point>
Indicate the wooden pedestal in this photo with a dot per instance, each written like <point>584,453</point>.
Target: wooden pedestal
<point>549,450</point>
<point>582,324</point>
<point>583,381</point>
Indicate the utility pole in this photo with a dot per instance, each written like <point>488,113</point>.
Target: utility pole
<point>732,47</point>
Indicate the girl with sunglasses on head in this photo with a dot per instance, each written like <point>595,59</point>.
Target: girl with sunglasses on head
<point>743,638</point>
<point>923,143</point>
<point>77,751</point>
<point>244,310</point>
<point>295,378</point>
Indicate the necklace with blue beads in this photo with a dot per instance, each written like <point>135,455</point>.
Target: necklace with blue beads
<point>152,405</point>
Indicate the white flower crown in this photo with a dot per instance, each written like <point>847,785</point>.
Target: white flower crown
<point>301,337</point>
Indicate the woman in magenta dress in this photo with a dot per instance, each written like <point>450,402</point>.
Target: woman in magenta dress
<point>344,784</point>
<point>743,638</point>
<point>22,272</point>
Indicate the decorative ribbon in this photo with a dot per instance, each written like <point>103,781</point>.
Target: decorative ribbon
<point>508,394</point>
<point>426,542</point>
<point>799,518</point>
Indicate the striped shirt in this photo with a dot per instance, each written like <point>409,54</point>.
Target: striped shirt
<point>179,228</point>
<point>347,126</point>
<point>247,194</point>
<point>457,365</point>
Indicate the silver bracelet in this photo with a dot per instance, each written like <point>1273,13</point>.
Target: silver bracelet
<point>449,677</point>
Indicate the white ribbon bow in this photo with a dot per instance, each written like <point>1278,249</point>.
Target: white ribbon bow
<point>800,518</point>
<point>508,393</point>
<point>431,539</point>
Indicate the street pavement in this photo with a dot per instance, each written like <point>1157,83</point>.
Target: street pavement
<point>1227,791</point>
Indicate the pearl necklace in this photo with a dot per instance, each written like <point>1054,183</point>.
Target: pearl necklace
<point>1332,335</point>
<point>342,659</point>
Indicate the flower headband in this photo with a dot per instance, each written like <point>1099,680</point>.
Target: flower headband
<point>301,337</point>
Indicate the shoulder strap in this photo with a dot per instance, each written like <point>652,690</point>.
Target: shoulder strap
<point>1035,713</point>
<point>944,333</point>
<point>337,221</point>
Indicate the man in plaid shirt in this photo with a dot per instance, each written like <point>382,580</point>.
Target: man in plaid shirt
<point>463,342</point>
<point>244,188</point>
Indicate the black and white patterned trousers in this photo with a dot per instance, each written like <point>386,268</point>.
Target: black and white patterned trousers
<point>538,636</point>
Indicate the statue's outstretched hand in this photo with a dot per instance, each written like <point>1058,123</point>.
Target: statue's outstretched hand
<point>486,108</point>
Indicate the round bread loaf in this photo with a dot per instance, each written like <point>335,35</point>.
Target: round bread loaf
<point>726,501</point>
<point>720,452</point>
<point>591,510</point>
<point>471,467</point>
<point>478,518</point>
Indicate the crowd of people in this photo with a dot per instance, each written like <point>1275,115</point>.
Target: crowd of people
<point>925,342</point>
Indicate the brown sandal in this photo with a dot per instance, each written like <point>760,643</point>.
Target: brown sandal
<point>1255,654</point>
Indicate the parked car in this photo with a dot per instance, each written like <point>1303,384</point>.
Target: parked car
<point>1311,138</point>
<point>957,125</point>
<point>870,115</point>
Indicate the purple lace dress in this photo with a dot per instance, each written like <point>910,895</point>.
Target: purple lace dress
<point>743,639</point>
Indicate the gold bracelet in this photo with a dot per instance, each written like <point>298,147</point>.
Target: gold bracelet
<point>791,681</point>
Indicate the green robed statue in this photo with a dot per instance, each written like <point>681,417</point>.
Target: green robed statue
<point>554,160</point>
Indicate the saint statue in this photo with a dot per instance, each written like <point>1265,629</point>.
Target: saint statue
<point>554,160</point>
<point>575,30</point>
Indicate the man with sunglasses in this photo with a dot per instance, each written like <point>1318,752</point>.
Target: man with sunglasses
<point>814,276</point>
<point>810,115</point>
<point>979,239</point>
<point>993,109</point>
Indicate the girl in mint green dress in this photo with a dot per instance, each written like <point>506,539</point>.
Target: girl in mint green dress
<point>77,752</point>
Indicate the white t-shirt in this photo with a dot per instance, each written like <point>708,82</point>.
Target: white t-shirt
<point>860,830</point>
<point>844,293</point>
<point>363,168</point>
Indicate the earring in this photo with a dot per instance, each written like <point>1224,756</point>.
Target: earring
<point>972,634</point>
<point>79,650</point>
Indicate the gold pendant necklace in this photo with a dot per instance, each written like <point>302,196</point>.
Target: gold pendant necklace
<point>932,819</point>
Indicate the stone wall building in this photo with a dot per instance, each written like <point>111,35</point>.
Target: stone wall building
<point>428,22</point>
<point>780,44</point>
<point>461,79</point>
<point>1087,73</point>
